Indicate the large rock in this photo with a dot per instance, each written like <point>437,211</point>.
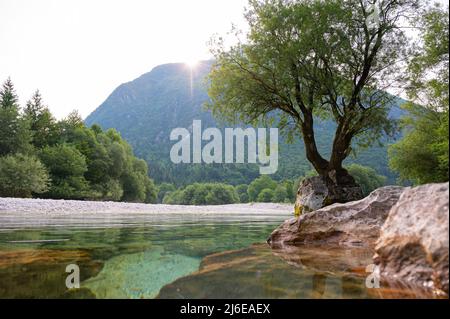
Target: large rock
<point>414,241</point>
<point>317,192</point>
<point>357,222</point>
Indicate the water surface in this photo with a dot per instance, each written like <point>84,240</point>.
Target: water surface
<point>171,256</point>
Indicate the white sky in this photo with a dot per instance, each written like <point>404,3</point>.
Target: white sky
<point>77,51</point>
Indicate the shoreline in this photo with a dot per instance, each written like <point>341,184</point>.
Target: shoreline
<point>20,213</point>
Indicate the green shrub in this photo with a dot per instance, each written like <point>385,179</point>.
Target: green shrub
<point>164,189</point>
<point>258,185</point>
<point>67,167</point>
<point>203,194</point>
<point>22,176</point>
<point>366,177</point>
<point>266,196</point>
<point>241,190</point>
<point>279,195</point>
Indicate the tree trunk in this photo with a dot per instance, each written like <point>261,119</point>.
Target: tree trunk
<point>341,186</point>
<point>312,154</point>
<point>340,151</point>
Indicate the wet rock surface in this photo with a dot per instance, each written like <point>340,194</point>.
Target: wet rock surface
<point>297,272</point>
<point>414,241</point>
<point>22,272</point>
<point>353,223</point>
<point>139,275</point>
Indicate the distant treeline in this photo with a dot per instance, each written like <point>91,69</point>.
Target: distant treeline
<point>43,157</point>
<point>262,189</point>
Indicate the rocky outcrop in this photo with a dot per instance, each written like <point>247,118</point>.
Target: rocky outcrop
<point>316,192</point>
<point>407,227</point>
<point>353,223</point>
<point>311,195</point>
<point>414,241</point>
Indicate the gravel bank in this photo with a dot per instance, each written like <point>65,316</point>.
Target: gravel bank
<point>19,213</point>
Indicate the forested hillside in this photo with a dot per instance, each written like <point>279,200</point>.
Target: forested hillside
<point>145,111</point>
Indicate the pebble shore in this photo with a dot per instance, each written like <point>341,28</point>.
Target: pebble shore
<point>30,213</point>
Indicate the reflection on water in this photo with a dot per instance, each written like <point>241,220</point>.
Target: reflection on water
<point>202,259</point>
<point>296,272</point>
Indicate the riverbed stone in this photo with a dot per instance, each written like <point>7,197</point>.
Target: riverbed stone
<point>139,275</point>
<point>353,223</point>
<point>41,273</point>
<point>414,241</point>
<point>297,272</point>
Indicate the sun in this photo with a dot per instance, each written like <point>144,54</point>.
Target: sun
<point>192,63</point>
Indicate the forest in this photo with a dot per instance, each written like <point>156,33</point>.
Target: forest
<point>46,158</point>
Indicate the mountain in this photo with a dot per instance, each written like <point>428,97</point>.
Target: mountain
<point>146,110</point>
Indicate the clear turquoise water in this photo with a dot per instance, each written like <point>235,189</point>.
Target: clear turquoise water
<point>117,262</point>
<point>201,258</point>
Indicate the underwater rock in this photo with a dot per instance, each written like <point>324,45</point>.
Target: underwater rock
<point>41,273</point>
<point>42,256</point>
<point>260,272</point>
<point>139,275</point>
<point>324,258</point>
<point>353,223</point>
<point>414,241</point>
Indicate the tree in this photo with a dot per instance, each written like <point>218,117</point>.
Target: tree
<point>74,119</point>
<point>41,122</point>
<point>241,190</point>
<point>97,158</point>
<point>303,59</point>
<point>266,196</point>
<point>164,189</point>
<point>291,191</point>
<point>67,167</point>
<point>151,193</point>
<point>117,154</point>
<point>22,176</point>
<point>113,190</point>
<point>133,187</point>
<point>279,195</point>
<point>255,187</point>
<point>14,133</point>
<point>173,198</point>
<point>422,155</point>
<point>220,194</point>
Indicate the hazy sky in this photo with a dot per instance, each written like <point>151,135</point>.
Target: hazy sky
<point>77,51</point>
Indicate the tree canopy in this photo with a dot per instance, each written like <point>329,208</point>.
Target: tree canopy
<point>14,131</point>
<point>306,59</point>
<point>422,155</point>
<point>22,176</point>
